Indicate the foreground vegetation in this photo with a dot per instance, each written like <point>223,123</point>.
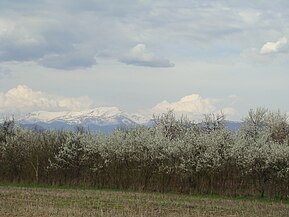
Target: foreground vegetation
<point>52,202</point>
<point>175,155</point>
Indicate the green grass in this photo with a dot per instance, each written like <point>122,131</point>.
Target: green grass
<point>43,200</point>
<point>197,196</point>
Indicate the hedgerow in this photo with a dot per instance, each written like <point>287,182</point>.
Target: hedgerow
<point>175,155</point>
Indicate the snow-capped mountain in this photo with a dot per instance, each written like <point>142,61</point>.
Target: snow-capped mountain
<point>100,119</point>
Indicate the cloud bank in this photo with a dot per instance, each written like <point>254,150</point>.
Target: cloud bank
<point>193,106</point>
<point>69,35</point>
<point>22,99</point>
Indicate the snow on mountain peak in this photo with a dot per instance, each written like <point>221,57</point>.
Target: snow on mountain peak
<point>99,116</point>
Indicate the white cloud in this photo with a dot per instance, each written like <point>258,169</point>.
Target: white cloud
<point>193,106</point>
<point>23,99</point>
<point>275,47</point>
<point>140,56</point>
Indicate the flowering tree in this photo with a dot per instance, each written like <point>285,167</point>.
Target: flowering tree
<point>173,155</point>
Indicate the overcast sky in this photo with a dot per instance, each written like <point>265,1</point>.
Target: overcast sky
<point>194,57</point>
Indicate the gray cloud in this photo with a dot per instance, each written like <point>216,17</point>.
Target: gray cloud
<point>68,61</point>
<point>70,34</point>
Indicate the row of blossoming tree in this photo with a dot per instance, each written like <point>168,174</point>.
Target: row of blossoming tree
<point>175,155</point>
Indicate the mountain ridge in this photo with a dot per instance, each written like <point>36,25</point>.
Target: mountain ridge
<point>100,116</point>
<point>100,119</point>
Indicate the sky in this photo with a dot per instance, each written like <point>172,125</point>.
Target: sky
<point>144,56</point>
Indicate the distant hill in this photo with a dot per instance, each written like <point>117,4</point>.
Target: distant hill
<point>233,125</point>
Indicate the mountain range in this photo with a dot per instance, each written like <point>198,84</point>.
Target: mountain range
<point>101,119</point>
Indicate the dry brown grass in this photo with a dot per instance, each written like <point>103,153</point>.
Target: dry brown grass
<point>30,202</point>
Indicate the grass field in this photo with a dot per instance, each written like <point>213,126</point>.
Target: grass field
<point>60,202</point>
